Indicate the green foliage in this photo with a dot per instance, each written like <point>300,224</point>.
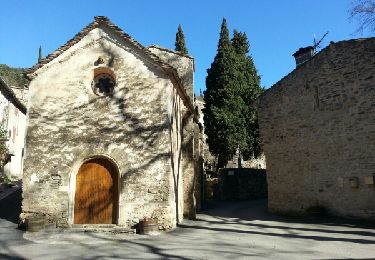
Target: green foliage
<point>180,44</point>
<point>232,85</point>
<point>4,179</point>
<point>13,76</point>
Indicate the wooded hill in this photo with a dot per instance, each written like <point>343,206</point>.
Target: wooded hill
<point>13,76</point>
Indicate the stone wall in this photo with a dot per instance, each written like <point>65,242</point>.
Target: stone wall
<point>138,128</point>
<point>190,179</point>
<point>318,133</point>
<point>256,162</point>
<point>206,161</point>
<point>237,183</point>
<point>253,162</point>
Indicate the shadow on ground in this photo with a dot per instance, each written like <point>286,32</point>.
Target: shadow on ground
<point>251,210</point>
<point>225,215</point>
<point>225,230</point>
<point>10,207</point>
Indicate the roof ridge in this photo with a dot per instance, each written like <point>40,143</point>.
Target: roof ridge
<point>77,37</point>
<point>169,50</point>
<point>355,40</point>
<point>11,96</point>
<point>332,44</point>
<point>103,20</point>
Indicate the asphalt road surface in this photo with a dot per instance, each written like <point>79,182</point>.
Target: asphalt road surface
<point>226,230</point>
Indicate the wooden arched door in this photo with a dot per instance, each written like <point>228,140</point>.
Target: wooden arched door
<point>96,195</point>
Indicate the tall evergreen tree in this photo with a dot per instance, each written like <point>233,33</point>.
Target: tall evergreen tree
<point>40,57</point>
<point>220,107</point>
<point>249,82</point>
<point>230,121</point>
<point>180,44</point>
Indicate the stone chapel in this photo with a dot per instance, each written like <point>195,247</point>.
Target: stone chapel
<point>110,133</point>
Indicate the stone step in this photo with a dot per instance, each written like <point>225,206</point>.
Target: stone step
<point>111,228</point>
<point>95,225</point>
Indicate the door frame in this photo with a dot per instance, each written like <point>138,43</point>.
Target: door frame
<point>72,184</point>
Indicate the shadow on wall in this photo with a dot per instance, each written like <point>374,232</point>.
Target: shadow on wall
<point>138,129</point>
<point>150,135</point>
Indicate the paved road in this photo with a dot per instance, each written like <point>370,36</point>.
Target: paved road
<point>10,207</point>
<point>237,230</point>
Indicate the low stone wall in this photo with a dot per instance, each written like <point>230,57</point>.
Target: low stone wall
<point>242,183</point>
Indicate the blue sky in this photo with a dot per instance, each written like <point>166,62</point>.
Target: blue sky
<point>275,28</point>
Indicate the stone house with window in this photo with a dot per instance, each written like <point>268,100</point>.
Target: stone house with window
<point>317,126</point>
<point>13,122</point>
<point>110,133</point>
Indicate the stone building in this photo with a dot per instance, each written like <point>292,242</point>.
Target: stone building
<point>206,161</point>
<point>110,133</point>
<point>256,162</point>
<point>210,160</point>
<point>253,162</point>
<point>184,64</point>
<point>13,121</point>
<point>317,126</point>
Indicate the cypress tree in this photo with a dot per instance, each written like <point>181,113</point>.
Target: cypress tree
<point>180,44</point>
<point>230,84</point>
<point>221,108</point>
<point>249,82</point>
<point>40,57</point>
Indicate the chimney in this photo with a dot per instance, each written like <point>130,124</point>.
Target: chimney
<point>303,55</point>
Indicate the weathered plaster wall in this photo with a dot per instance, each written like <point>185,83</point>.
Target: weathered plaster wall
<point>16,126</point>
<point>68,123</point>
<point>4,110</point>
<point>318,131</point>
<point>13,121</point>
<point>189,164</point>
<point>176,152</point>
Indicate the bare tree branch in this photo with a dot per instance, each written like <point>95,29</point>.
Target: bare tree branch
<point>364,12</point>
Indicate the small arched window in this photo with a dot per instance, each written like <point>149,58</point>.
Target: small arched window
<point>103,82</point>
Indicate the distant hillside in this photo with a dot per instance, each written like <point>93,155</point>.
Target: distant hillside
<point>13,76</point>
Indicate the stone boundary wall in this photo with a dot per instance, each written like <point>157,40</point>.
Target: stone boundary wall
<point>242,183</point>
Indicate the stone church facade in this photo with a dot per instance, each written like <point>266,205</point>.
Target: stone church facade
<point>110,133</point>
<point>317,126</point>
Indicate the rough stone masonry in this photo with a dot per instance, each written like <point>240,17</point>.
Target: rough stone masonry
<point>317,126</point>
<point>133,120</point>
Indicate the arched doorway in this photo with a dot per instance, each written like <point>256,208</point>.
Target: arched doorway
<point>96,193</point>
